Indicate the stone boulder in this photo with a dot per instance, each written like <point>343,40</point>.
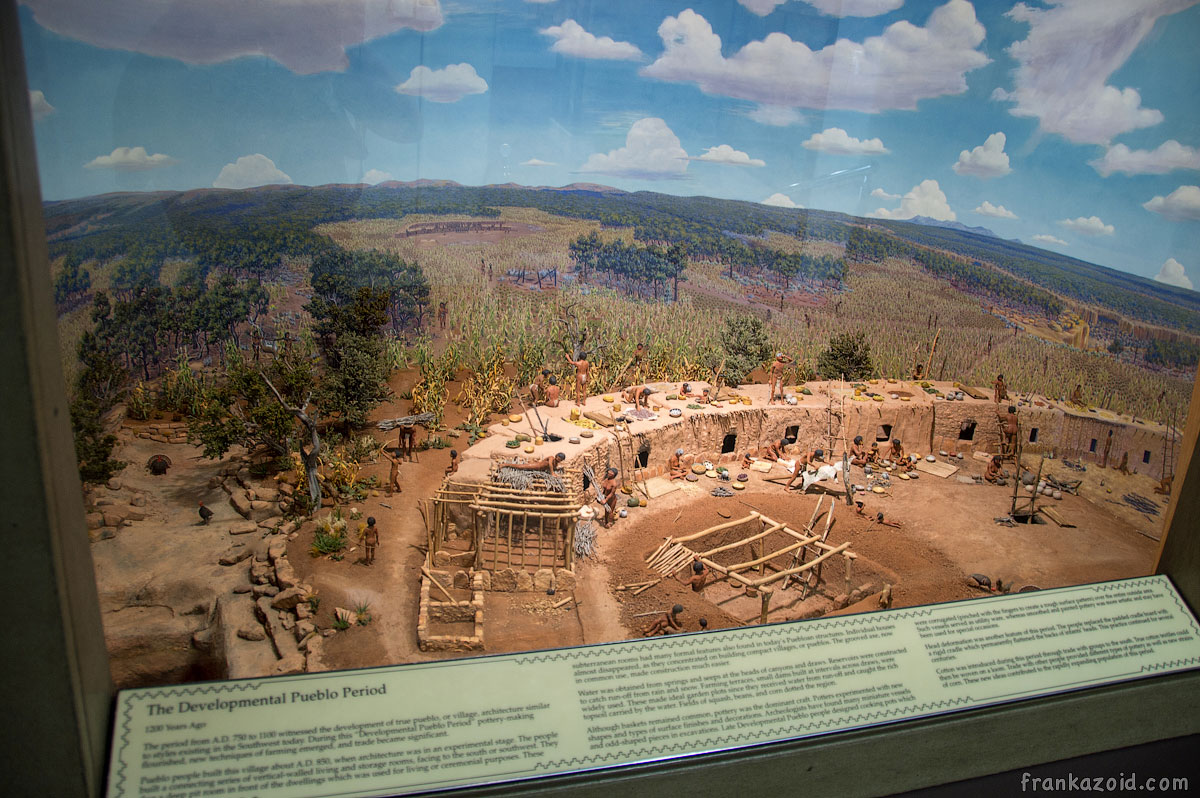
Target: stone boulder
<point>285,575</point>
<point>543,580</point>
<point>241,504</point>
<point>288,599</point>
<point>235,555</point>
<point>504,580</point>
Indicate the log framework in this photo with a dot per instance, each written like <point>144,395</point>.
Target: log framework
<point>523,529</point>
<point>809,551</point>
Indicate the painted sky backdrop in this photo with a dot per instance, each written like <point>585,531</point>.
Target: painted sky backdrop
<point>1070,124</point>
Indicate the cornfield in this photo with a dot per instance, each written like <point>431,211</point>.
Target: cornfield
<point>900,306</point>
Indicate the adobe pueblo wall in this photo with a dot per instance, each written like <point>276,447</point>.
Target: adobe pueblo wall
<point>721,433</point>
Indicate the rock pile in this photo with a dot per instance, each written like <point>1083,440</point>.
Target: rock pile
<point>281,602</point>
<point>256,502</point>
<point>165,432</point>
<point>111,507</point>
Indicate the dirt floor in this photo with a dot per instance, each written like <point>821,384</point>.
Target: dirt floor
<point>947,532</point>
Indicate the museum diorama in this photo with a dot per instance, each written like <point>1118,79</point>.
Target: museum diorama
<point>399,331</point>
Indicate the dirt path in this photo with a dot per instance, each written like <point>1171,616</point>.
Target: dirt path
<point>599,613</point>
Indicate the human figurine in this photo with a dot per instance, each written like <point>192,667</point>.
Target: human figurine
<point>393,483</point>
<point>873,453</point>
<point>538,388</point>
<point>858,456</point>
<point>898,457</point>
<point>552,391</point>
<point>442,314</point>
<point>1077,395</point>
<point>699,576</point>
<point>407,442</point>
<point>1107,450</point>
<point>747,461</point>
<point>994,473</point>
<point>1008,425</point>
<point>370,541</point>
<point>637,395</point>
<point>665,623</point>
<point>547,464</point>
<point>775,373</point>
<point>675,469</point>
<point>776,450</point>
<point>582,367</point>
<point>802,464</point>
<point>1000,389</point>
<point>608,495</point>
<point>453,467</point>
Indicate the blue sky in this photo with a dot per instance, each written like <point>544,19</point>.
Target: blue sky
<point>1071,124</point>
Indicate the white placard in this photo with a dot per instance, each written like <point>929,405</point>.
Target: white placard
<point>410,728</point>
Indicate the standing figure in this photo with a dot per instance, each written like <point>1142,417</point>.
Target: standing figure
<point>1008,425</point>
<point>608,495</point>
<point>582,367</point>
<point>1107,450</point>
<point>443,314</point>
<point>406,444</point>
<point>1001,390</point>
<point>775,372</point>
<point>370,540</point>
<point>393,483</point>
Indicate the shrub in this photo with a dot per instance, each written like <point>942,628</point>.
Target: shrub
<point>744,339</point>
<point>848,357</point>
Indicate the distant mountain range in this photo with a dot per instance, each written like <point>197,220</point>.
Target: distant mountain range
<point>962,228</point>
<point>594,188</point>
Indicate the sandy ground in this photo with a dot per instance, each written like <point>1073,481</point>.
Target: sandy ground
<point>947,532</point>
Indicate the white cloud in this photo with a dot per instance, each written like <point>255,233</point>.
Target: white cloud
<point>925,199</point>
<point>1169,156</point>
<point>250,171</point>
<point>894,70</point>
<point>780,201</point>
<point>447,85</point>
<point>1181,205</point>
<point>776,115</point>
<point>130,159</point>
<point>834,8</point>
<point>985,161</point>
<point>762,8</point>
<point>723,153</point>
<point>1042,238</point>
<point>836,141</point>
<point>374,176</point>
<point>883,195</point>
<point>1172,273</point>
<point>537,162</point>
<point>306,37</point>
<point>1090,226</point>
<point>1073,48</point>
<point>37,103</point>
<point>651,152</point>
<point>571,39</point>
<point>998,211</point>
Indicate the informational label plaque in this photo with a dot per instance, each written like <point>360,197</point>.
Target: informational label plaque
<point>419,727</point>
